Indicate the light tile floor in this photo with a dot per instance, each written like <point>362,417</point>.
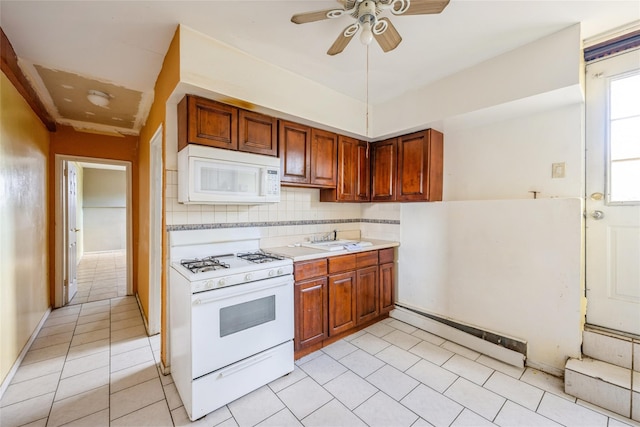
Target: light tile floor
<point>101,275</point>
<point>93,365</point>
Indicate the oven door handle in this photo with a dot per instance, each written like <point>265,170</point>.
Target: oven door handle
<point>244,365</point>
<point>199,301</point>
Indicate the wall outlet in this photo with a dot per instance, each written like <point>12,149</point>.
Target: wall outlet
<point>557,170</point>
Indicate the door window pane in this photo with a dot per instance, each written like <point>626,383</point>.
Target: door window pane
<point>624,139</point>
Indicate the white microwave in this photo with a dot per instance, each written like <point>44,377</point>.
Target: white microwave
<point>208,175</point>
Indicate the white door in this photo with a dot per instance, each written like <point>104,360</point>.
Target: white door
<point>71,183</point>
<point>613,192</point>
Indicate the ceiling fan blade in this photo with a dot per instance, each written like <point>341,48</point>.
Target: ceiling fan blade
<point>303,18</point>
<point>341,42</point>
<point>390,38</point>
<point>426,7</point>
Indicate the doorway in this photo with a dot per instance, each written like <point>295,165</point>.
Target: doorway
<point>612,205</point>
<point>93,229</point>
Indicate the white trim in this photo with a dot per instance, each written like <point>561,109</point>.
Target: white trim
<point>59,243</point>
<point>12,372</point>
<point>155,232</point>
<point>459,337</point>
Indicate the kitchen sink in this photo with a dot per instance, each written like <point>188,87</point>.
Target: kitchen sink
<point>336,245</point>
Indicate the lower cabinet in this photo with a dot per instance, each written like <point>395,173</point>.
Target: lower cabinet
<point>311,303</point>
<point>342,302</point>
<point>367,291</point>
<point>337,294</point>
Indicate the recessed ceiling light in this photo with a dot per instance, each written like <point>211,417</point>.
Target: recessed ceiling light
<point>68,100</point>
<point>101,99</point>
<point>116,118</point>
<point>89,113</point>
<point>67,86</point>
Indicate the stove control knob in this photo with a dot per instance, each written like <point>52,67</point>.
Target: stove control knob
<point>222,282</point>
<point>248,277</point>
<point>280,272</point>
<point>272,273</point>
<point>208,284</point>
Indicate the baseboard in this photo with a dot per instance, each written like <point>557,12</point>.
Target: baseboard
<point>459,337</point>
<point>23,353</point>
<point>166,370</point>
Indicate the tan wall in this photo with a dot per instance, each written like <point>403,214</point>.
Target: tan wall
<point>68,141</point>
<point>24,278</point>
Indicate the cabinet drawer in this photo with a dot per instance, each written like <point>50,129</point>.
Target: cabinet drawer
<point>386,255</point>
<point>308,269</point>
<point>342,263</point>
<point>366,259</point>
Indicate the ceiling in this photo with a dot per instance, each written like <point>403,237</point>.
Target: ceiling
<point>68,47</point>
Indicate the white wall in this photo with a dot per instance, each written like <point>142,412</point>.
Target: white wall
<point>104,210</point>
<point>510,158</point>
<point>489,255</point>
<point>509,266</point>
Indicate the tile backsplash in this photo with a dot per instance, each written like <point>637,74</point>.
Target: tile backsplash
<point>299,215</point>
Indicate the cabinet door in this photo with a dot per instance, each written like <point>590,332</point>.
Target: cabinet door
<point>420,166</point>
<point>324,147</point>
<point>346,185</point>
<point>294,147</point>
<point>387,279</point>
<point>383,171</point>
<point>310,301</point>
<point>257,133</point>
<point>367,294</point>
<point>362,172</point>
<point>211,123</point>
<point>342,302</point>
<point>353,173</point>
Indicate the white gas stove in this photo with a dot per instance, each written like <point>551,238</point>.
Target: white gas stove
<point>230,316</point>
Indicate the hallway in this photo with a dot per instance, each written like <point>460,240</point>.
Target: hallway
<point>101,275</point>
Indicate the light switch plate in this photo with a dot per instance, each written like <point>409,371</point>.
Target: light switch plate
<point>557,170</point>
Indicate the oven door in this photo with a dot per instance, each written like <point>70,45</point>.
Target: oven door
<point>236,322</point>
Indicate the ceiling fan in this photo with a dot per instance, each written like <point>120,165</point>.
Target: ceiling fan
<point>366,12</point>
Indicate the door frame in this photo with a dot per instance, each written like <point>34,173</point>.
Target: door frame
<point>156,211</point>
<point>60,220</point>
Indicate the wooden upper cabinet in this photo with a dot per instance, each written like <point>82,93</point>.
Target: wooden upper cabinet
<point>294,143</point>
<point>383,170</point>
<point>257,133</point>
<point>307,155</point>
<point>324,152</point>
<point>352,173</point>
<point>420,166</point>
<point>205,122</point>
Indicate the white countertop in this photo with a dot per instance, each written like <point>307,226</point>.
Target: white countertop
<point>302,253</point>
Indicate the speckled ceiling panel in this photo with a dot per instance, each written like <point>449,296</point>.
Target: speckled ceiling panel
<point>69,94</point>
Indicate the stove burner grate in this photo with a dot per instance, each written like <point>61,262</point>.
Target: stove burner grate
<point>202,265</point>
<point>260,257</point>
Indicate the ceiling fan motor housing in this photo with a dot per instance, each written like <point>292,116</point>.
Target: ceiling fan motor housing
<point>367,12</point>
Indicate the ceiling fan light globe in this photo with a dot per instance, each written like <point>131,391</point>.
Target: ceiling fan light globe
<point>366,35</point>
